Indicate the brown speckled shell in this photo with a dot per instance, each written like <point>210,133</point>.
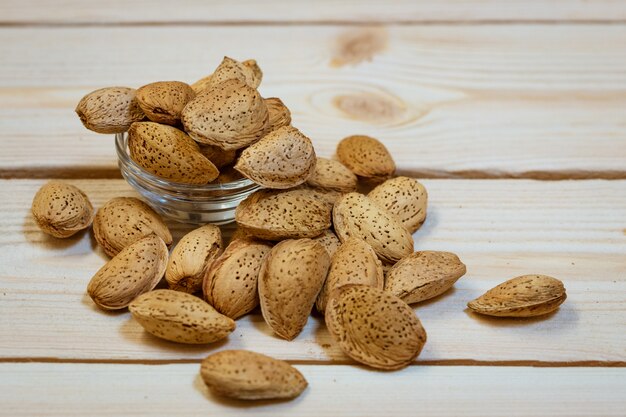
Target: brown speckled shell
<point>424,275</point>
<point>61,209</point>
<point>283,159</point>
<point>246,375</point>
<point>332,175</point>
<point>230,115</point>
<point>406,198</point>
<point>279,113</point>
<point>373,327</point>
<point>169,153</point>
<point>291,277</point>
<point>163,101</point>
<point>109,110</point>
<point>366,157</point>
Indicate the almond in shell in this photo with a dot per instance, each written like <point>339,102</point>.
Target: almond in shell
<point>366,157</point>
<point>232,282</point>
<point>180,317</point>
<point>61,209</point>
<point>406,198</point>
<point>373,327</point>
<point>246,375</point>
<point>523,296</point>
<point>290,280</point>
<point>137,269</point>
<point>169,153</point>
<point>355,262</point>
<point>289,214</point>
<point>219,157</point>
<point>123,221</point>
<point>247,72</point>
<point>424,275</point>
<point>332,175</point>
<point>355,215</point>
<point>285,158</point>
<point>329,240</point>
<point>109,110</point>
<point>279,113</point>
<point>192,257</point>
<point>230,115</point>
<point>163,101</point>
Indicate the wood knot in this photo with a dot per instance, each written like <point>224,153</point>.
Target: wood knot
<point>369,107</point>
<point>358,46</point>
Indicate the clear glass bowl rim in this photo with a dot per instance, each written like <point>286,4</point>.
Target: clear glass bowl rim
<point>124,157</point>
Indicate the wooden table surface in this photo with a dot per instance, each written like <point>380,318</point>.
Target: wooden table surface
<point>512,112</point>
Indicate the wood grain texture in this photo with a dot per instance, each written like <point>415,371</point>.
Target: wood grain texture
<point>535,101</point>
<point>276,11</point>
<point>500,229</point>
<point>177,390</point>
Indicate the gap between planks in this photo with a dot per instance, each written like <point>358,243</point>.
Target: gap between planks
<point>114,173</point>
<point>445,362</point>
<point>410,22</point>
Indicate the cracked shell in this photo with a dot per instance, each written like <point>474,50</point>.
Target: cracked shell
<point>169,153</point>
<point>122,221</point>
<point>231,285</point>
<point>230,115</point>
<point>332,175</point>
<point>289,214</point>
<point>61,209</point>
<point>283,159</point>
<point>137,269</point>
<point>373,327</point>
<point>355,262</point>
<point>247,72</point>
<point>366,157</point>
<point>246,375</point>
<point>523,296</point>
<point>355,215</point>
<point>291,277</point>
<point>180,317</point>
<point>163,101</point>
<point>406,198</point>
<point>424,275</point>
<point>192,257</point>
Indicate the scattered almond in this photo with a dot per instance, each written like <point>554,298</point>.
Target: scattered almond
<point>109,110</point>
<point>279,113</point>
<point>192,257</point>
<point>374,327</point>
<point>366,157</point>
<point>231,284</point>
<point>246,375</point>
<point>406,198</point>
<point>230,115</point>
<point>291,277</point>
<point>285,158</point>
<point>332,175</point>
<point>355,262</point>
<point>163,101</point>
<point>169,153</point>
<point>137,269</point>
<point>180,317</point>
<point>329,240</point>
<point>289,214</point>
<point>123,221</point>
<point>356,215</point>
<point>424,275</point>
<point>61,210</point>
<point>524,296</point>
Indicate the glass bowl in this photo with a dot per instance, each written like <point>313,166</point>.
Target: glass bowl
<point>185,203</point>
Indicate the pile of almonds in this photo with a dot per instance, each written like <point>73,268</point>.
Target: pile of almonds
<point>306,239</point>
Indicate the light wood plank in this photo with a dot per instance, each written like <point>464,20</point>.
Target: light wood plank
<point>160,11</point>
<point>177,390</point>
<point>575,231</point>
<point>472,101</point>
